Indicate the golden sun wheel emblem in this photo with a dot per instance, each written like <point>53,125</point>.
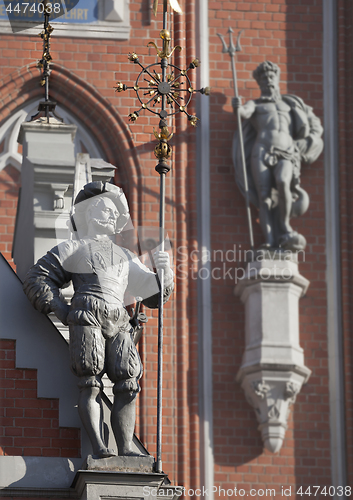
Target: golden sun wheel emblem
<point>163,88</point>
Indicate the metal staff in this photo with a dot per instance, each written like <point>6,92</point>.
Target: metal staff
<point>162,152</point>
<point>162,168</point>
<point>231,50</point>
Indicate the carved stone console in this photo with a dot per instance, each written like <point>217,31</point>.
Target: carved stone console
<point>272,370</point>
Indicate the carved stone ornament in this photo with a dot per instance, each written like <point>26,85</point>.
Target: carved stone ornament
<point>272,370</point>
<point>271,396</point>
<point>260,388</point>
<point>291,391</point>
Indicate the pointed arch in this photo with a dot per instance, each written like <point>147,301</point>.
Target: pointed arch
<point>94,111</point>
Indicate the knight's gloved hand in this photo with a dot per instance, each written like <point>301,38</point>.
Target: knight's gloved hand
<point>60,309</point>
<point>162,261</point>
<point>236,102</point>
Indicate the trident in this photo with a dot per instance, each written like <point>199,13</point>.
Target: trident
<point>231,51</point>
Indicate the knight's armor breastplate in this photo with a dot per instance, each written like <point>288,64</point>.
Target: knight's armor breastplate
<point>101,269</point>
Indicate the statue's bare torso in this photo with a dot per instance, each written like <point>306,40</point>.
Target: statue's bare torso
<point>273,124</point>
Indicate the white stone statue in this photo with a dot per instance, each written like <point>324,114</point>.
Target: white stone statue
<point>101,336</point>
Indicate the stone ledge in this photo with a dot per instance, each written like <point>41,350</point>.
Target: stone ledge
<point>98,484</point>
<point>120,464</point>
<point>38,493</point>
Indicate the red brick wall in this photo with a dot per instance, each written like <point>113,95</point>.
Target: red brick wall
<point>9,186</point>
<point>288,33</point>
<point>30,425</point>
<point>345,102</point>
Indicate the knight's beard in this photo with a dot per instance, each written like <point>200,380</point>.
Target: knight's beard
<point>107,225</point>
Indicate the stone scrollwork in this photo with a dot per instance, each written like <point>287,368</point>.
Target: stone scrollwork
<point>291,391</point>
<point>273,412</point>
<point>271,394</point>
<point>260,388</point>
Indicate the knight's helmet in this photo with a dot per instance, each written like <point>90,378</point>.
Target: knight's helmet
<point>83,199</point>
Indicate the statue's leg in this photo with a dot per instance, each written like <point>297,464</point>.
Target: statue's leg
<point>91,412</point>
<point>87,350</point>
<point>123,418</point>
<point>283,175</point>
<point>263,179</point>
<point>124,368</point>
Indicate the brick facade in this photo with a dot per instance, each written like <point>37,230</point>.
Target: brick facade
<point>345,101</point>
<point>288,32</point>
<point>10,179</point>
<point>30,425</point>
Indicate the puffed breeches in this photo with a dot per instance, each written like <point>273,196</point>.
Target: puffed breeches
<point>93,352</point>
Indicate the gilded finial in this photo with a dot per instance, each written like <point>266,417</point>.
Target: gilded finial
<point>120,87</point>
<point>165,52</point>
<point>133,57</point>
<point>47,106</point>
<point>164,134</point>
<point>193,120</point>
<point>133,116</point>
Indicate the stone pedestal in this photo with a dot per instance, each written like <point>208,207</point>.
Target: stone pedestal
<point>272,370</point>
<point>122,478</point>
